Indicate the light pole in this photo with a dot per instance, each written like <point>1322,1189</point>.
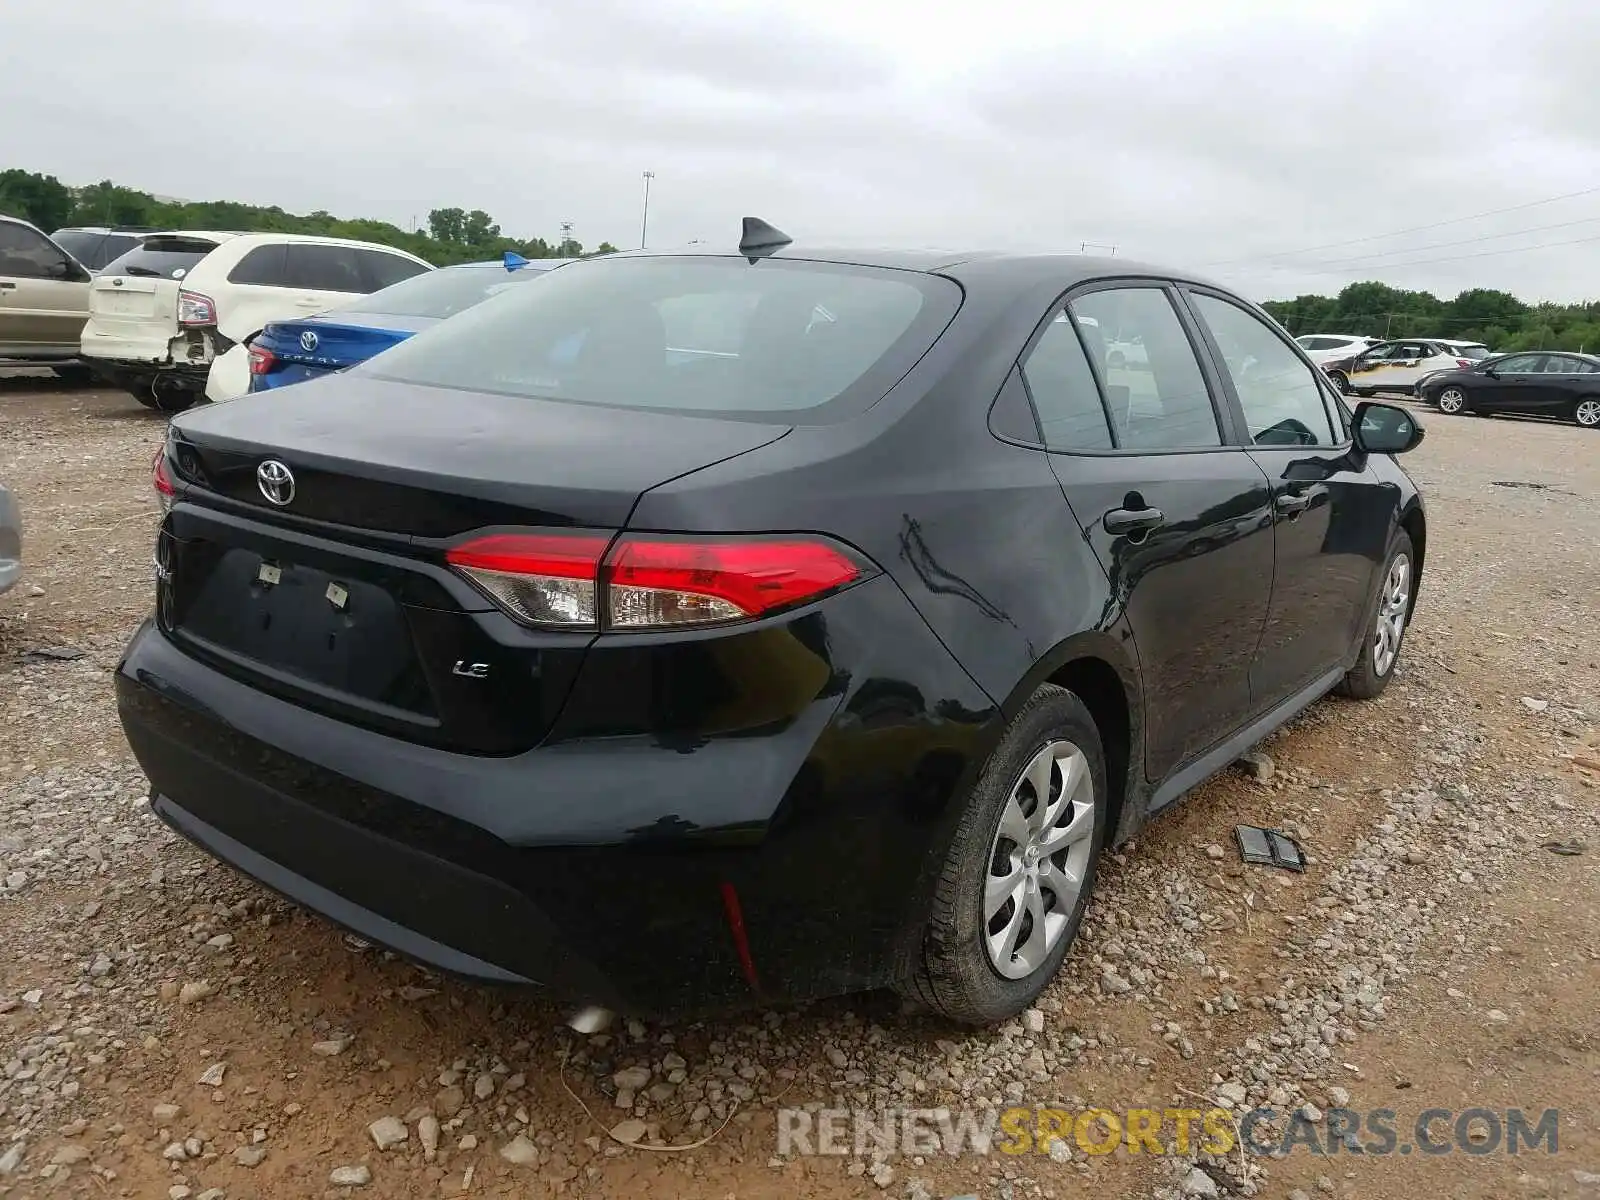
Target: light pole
<point>644,223</point>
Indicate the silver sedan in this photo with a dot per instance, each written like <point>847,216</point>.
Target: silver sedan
<point>10,540</point>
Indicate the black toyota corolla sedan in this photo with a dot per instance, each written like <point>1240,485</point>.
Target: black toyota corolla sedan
<point>1545,383</point>
<point>695,630</point>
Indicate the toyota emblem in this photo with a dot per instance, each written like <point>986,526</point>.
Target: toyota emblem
<point>276,482</point>
<point>308,341</point>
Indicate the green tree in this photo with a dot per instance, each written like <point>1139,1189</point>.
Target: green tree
<point>41,199</point>
<point>107,203</point>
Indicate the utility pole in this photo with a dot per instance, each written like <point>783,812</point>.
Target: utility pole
<point>566,238</point>
<point>644,222</point>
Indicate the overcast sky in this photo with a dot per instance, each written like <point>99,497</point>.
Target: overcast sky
<point>1255,138</point>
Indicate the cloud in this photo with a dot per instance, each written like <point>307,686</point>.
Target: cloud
<point>1240,133</point>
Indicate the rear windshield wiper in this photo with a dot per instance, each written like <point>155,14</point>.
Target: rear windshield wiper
<point>143,272</point>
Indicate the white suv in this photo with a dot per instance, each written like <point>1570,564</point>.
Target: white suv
<point>159,314</point>
<point>1323,348</point>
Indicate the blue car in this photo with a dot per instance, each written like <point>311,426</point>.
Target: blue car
<point>288,352</point>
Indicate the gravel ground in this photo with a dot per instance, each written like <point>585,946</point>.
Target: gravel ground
<point>169,1028</point>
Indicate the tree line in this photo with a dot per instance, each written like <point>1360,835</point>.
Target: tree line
<point>1497,319</point>
<point>453,235</point>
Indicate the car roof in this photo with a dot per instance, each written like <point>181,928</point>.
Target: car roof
<point>216,235</point>
<point>314,239</point>
<point>988,266</point>
<point>542,264</point>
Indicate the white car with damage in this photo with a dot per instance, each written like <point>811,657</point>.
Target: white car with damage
<point>160,314</point>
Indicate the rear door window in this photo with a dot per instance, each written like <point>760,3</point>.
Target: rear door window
<point>162,257</point>
<point>317,267</point>
<point>264,266</point>
<point>1065,397</point>
<point>88,248</point>
<point>380,270</point>
<point>1160,401</point>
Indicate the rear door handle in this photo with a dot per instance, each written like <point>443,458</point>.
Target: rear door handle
<point>1132,520</point>
<point>7,286</point>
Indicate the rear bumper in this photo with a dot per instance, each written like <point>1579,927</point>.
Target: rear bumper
<point>611,870</point>
<point>145,348</point>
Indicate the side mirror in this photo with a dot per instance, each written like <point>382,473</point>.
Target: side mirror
<point>1491,373</point>
<point>1384,429</point>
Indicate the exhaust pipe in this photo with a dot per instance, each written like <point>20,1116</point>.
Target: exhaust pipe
<point>591,1019</point>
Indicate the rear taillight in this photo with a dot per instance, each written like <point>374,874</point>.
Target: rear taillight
<point>262,360</point>
<point>642,582</point>
<point>547,579</point>
<point>195,309</point>
<point>1463,362</point>
<point>161,480</point>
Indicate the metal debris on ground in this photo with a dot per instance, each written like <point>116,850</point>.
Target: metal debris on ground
<point>53,654</point>
<point>1269,848</point>
<point>1567,846</point>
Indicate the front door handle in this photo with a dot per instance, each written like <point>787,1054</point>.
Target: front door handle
<point>1132,520</point>
<point>1293,503</point>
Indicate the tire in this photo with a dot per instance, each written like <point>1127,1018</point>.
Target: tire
<point>1452,401</point>
<point>163,400</point>
<point>1340,381</point>
<point>1373,670</point>
<point>75,374</point>
<point>1586,412</point>
<point>1116,360</point>
<point>956,973</point>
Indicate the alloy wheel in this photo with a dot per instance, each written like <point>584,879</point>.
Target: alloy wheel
<point>1587,413</point>
<point>1038,860</point>
<point>1393,603</point>
<point>1452,400</point>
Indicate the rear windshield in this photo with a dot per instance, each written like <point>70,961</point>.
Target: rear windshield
<point>82,245</point>
<point>443,293</point>
<point>162,257</point>
<point>692,334</point>
<point>1470,351</point>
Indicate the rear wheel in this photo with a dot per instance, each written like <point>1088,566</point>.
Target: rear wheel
<point>1452,400</point>
<point>1340,381</point>
<point>1020,868</point>
<point>164,397</point>
<point>1387,628</point>
<point>1587,412</point>
<point>75,374</point>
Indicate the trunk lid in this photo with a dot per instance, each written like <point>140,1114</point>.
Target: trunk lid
<point>408,460</point>
<point>133,303</point>
<point>131,317</point>
<point>340,600</point>
<point>333,343</point>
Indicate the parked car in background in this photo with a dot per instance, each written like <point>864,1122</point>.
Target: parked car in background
<point>44,298</point>
<point>286,352</point>
<point>1473,351</point>
<point>97,245</point>
<point>1540,384</point>
<point>162,312</point>
<point>1397,366</point>
<point>676,633</point>
<point>10,540</point>
<point>1323,348</point>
